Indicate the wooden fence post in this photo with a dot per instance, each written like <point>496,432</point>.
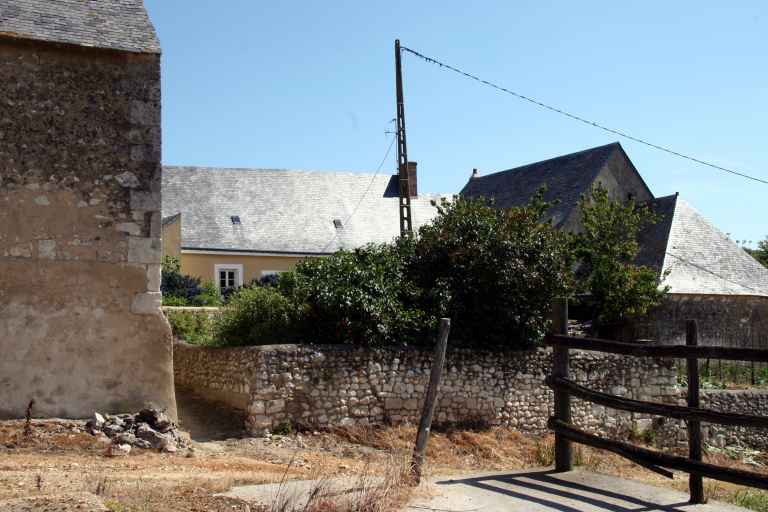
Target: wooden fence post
<point>560,356</point>
<point>430,400</point>
<point>695,482</point>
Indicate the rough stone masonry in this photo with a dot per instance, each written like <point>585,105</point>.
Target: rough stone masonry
<point>80,323</point>
<point>327,385</point>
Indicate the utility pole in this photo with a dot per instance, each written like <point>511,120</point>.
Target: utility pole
<point>406,225</point>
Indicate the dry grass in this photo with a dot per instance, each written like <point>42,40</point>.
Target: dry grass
<point>55,459</point>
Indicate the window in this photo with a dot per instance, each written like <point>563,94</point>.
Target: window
<point>265,273</point>
<point>337,223</point>
<point>235,219</point>
<point>228,276</point>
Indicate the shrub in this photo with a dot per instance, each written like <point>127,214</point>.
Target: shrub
<point>175,284</point>
<point>191,326</point>
<point>495,272</point>
<point>257,316</point>
<point>359,296</point>
<point>209,296</point>
<point>175,301</point>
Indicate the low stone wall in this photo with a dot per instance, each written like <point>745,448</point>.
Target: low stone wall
<point>321,386</point>
<point>741,401</point>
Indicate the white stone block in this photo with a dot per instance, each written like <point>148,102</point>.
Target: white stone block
<point>147,303</point>
<point>144,250</point>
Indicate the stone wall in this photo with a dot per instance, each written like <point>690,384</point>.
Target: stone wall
<point>320,386</point>
<point>753,402</point>
<point>80,324</point>
<point>724,320</point>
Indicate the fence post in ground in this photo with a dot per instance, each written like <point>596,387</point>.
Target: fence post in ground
<point>562,398</point>
<point>695,482</point>
<point>430,400</point>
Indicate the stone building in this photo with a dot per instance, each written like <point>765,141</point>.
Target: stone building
<point>711,279</point>
<point>232,226</point>
<point>80,174</point>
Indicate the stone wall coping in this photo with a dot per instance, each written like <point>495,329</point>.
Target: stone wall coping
<point>192,309</point>
<point>404,349</point>
<point>747,392</point>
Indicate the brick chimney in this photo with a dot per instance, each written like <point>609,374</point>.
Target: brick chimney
<point>413,189</point>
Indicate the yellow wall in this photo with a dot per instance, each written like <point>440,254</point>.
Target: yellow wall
<point>171,234</point>
<point>202,265</point>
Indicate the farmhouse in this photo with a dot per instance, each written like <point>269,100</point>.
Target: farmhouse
<point>710,277</point>
<point>233,226</point>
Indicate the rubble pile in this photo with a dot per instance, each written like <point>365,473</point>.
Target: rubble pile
<point>147,429</point>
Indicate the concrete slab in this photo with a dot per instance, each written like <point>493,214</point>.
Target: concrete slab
<point>546,491</point>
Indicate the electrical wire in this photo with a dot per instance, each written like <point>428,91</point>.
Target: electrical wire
<point>367,189</point>
<point>562,112</point>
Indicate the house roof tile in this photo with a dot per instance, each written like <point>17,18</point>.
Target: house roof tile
<point>112,24</point>
<point>285,211</point>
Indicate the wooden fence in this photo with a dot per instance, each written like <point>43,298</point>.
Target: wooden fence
<point>566,432</point>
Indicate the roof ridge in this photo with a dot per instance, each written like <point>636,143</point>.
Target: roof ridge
<point>278,170</point>
<point>539,162</point>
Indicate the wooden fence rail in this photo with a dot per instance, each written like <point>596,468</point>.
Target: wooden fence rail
<point>693,414</point>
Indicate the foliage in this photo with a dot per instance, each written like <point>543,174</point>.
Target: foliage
<point>175,284</point>
<point>183,290</point>
<point>495,272</point>
<point>359,296</point>
<point>209,296</point>
<point>761,253</point>
<point>256,316</point>
<point>192,326</point>
<point>175,301</point>
<point>751,499</point>
<point>615,287</point>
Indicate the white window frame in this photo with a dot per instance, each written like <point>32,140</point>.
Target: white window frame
<point>265,273</point>
<point>237,267</point>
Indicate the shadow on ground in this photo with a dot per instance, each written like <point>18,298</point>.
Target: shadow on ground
<point>544,490</point>
<point>206,420</point>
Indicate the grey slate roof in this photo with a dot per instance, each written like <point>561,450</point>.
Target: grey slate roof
<point>283,211</point>
<point>566,178</point>
<point>653,240</point>
<point>701,259</point>
<point>111,24</point>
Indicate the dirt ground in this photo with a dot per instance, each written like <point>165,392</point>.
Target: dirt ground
<point>54,458</point>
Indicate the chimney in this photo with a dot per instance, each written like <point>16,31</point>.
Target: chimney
<point>413,189</point>
<point>475,172</point>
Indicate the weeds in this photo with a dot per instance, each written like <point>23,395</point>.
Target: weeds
<point>544,454</point>
<point>28,419</point>
<point>751,499</point>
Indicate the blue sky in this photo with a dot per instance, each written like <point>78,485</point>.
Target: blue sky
<point>310,85</point>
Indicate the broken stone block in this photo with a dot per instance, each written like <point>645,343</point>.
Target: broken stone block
<point>150,435</point>
<point>118,450</point>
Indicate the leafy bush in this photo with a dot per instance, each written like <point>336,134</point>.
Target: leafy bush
<point>359,296</point>
<point>175,301</point>
<point>209,296</point>
<point>177,285</point>
<point>257,316</point>
<point>610,283</point>
<point>495,272</point>
<point>192,326</point>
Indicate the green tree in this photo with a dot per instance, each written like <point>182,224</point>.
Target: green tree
<point>359,296</point>
<point>611,283</point>
<point>494,272</point>
<point>761,253</point>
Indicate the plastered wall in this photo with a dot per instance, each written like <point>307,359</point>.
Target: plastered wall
<point>80,324</point>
